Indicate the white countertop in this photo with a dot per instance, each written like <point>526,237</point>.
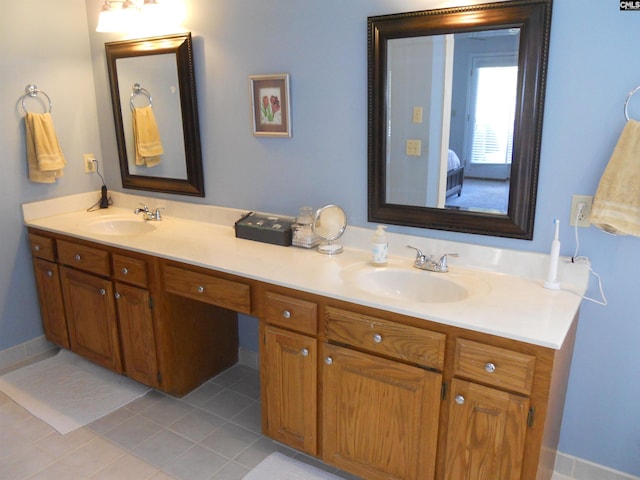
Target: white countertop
<point>507,298</point>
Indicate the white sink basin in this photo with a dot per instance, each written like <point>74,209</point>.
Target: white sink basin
<point>411,284</point>
<point>119,226</point>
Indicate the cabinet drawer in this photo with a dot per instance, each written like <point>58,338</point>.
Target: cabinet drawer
<point>86,258</point>
<point>130,270</point>
<point>218,291</point>
<point>291,313</point>
<point>494,366</point>
<point>385,337</point>
<point>41,247</point>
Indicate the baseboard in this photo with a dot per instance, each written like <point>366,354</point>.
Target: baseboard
<point>249,358</point>
<point>568,467</point>
<point>24,353</point>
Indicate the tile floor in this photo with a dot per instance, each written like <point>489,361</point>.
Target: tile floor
<point>212,433</point>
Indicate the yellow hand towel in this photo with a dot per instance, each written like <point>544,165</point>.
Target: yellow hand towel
<point>44,156</point>
<point>148,145</point>
<point>616,205</point>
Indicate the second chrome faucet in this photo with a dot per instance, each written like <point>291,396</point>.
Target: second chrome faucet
<point>424,262</point>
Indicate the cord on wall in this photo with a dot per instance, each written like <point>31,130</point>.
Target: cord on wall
<point>585,260</point>
<point>105,200</point>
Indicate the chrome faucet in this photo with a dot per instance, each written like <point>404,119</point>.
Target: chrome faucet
<point>148,214</point>
<point>424,262</point>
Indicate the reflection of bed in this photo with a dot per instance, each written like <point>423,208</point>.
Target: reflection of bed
<point>455,175</point>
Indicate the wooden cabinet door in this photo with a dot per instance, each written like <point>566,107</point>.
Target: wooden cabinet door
<point>91,317</point>
<point>291,388</point>
<point>486,433</point>
<point>138,338</point>
<point>380,417</point>
<point>54,321</point>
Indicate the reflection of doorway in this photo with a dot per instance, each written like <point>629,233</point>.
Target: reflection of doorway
<point>481,195</point>
<point>491,116</point>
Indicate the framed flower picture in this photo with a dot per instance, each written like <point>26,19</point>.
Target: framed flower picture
<point>270,106</point>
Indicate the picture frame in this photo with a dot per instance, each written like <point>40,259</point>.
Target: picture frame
<point>270,105</point>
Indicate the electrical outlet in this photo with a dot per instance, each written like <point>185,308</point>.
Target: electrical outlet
<point>414,148</point>
<point>417,114</point>
<point>89,163</point>
<point>577,201</point>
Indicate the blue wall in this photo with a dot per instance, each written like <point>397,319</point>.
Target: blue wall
<point>322,45</point>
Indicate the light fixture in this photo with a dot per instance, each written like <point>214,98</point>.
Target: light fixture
<point>146,16</point>
<point>117,16</point>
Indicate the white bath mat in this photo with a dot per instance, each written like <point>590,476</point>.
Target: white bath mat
<point>67,391</point>
<point>280,467</point>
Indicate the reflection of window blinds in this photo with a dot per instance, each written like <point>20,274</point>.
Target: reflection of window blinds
<point>494,114</point>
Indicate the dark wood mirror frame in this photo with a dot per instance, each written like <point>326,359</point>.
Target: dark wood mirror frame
<point>181,46</point>
<point>533,17</point>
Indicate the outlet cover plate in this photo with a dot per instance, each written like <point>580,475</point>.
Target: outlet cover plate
<point>583,221</point>
<point>414,148</point>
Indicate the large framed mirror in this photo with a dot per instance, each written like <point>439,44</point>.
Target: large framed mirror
<point>155,111</point>
<point>455,103</point>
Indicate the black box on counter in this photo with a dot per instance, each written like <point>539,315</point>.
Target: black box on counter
<point>265,228</point>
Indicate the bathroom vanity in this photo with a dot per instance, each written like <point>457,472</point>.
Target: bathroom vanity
<point>381,384</point>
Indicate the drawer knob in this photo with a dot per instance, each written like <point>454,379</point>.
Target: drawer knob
<point>304,352</point>
<point>459,399</point>
<point>328,360</point>
<point>49,273</point>
<point>78,257</point>
<point>200,289</point>
<point>117,295</point>
<point>377,338</point>
<point>125,271</point>
<point>286,314</point>
<point>36,248</point>
<point>490,367</point>
<point>102,291</point>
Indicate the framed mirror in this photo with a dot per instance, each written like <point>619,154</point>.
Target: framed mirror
<point>155,110</point>
<point>455,103</point>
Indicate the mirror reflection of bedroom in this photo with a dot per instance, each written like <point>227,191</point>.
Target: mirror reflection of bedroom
<point>467,83</point>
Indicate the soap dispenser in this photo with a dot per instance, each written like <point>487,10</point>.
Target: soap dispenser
<point>379,247</point>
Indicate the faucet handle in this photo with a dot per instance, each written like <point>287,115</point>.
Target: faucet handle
<point>443,264</point>
<point>420,257</point>
<point>157,215</point>
<point>143,209</point>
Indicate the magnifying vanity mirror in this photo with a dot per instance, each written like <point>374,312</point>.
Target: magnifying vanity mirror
<point>329,224</point>
<point>456,102</point>
<point>153,81</point>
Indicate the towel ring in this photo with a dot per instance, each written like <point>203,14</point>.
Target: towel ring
<point>138,90</point>
<point>626,102</point>
<point>31,90</point>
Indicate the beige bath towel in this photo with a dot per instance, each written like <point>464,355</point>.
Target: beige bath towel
<point>146,136</point>
<point>616,205</point>
<point>44,155</point>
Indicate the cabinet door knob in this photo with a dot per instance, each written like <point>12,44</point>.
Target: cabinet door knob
<point>36,248</point>
<point>459,399</point>
<point>490,367</point>
<point>377,338</point>
<point>78,257</point>
<point>328,360</point>
<point>117,295</point>
<point>200,289</point>
<point>102,291</point>
<point>304,352</point>
<point>125,271</point>
<point>286,314</point>
<point>49,273</point>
